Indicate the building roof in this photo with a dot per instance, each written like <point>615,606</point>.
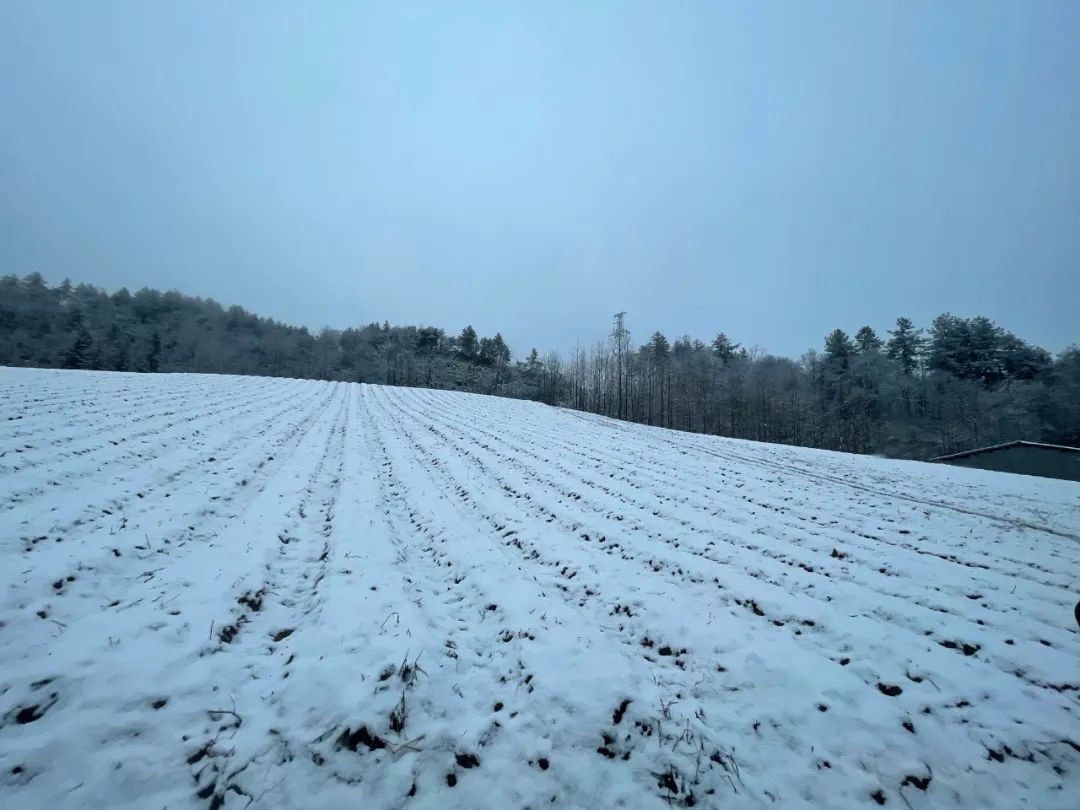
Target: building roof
<point>1006,446</point>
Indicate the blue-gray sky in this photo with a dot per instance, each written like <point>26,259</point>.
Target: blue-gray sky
<point>773,170</point>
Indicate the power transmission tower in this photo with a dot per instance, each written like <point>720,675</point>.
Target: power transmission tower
<point>621,338</point>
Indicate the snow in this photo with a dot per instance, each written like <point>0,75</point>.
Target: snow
<point>230,592</point>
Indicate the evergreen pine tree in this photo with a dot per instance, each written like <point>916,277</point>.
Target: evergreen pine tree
<point>839,348</point>
<point>500,351</point>
<point>905,345</point>
<point>723,348</point>
<point>950,348</point>
<point>485,355</point>
<point>153,357</point>
<point>867,341</point>
<point>78,355</point>
<point>468,346</point>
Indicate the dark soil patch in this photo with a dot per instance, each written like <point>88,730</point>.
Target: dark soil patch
<point>252,601</point>
<point>467,760</point>
<point>230,631</point>
<point>353,739</point>
<point>28,714</point>
<point>963,646</point>
<point>917,781</point>
<point>666,781</point>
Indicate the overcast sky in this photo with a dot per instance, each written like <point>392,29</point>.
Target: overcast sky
<point>771,170</point>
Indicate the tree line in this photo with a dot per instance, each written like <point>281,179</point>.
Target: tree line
<point>83,327</point>
<point>911,392</point>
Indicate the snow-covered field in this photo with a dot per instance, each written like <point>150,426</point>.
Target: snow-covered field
<point>233,592</point>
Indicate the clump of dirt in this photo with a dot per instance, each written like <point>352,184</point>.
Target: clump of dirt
<point>666,781</point>
<point>354,739</point>
<point>467,760</point>
<point>617,715</point>
<point>668,651</point>
<point>28,714</point>
<point>253,600</point>
<point>922,783</point>
<point>963,646</point>
<point>605,749</point>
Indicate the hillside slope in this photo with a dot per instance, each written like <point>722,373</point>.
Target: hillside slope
<point>231,592</point>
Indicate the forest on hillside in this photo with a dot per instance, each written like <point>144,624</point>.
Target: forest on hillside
<point>906,392</point>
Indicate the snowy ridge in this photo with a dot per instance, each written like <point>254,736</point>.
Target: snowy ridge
<point>229,592</point>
